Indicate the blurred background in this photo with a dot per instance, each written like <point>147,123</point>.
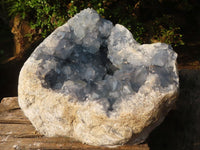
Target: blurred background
<point>25,23</point>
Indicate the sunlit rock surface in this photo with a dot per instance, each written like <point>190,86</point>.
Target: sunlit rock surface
<point>92,81</point>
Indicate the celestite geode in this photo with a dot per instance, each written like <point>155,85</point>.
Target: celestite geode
<point>92,81</point>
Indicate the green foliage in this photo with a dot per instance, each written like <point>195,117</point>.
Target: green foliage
<point>43,15</point>
<point>171,36</point>
<point>165,30</point>
<point>139,33</point>
<point>136,15</point>
<point>72,9</point>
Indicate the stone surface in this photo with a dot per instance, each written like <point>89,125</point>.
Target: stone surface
<point>17,133</point>
<point>92,81</point>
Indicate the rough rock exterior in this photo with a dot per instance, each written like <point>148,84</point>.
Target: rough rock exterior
<point>92,81</point>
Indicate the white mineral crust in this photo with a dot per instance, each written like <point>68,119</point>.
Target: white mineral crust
<point>92,81</point>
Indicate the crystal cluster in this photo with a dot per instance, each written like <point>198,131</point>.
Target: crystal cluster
<point>92,81</point>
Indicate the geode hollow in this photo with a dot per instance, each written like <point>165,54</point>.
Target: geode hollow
<point>92,81</point>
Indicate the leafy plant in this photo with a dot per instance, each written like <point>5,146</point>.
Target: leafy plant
<point>43,15</point>
<point>165,30</point>
<point>46,15</point>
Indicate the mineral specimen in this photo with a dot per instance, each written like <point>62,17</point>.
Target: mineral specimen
<point>92,81</point>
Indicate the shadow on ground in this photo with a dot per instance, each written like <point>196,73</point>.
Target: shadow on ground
<point>181,128</point>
